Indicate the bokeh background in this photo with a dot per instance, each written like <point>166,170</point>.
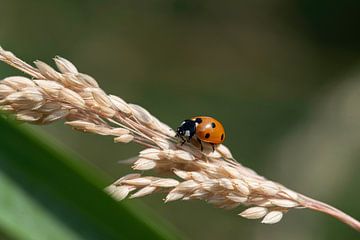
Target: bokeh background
<point>282,76</point>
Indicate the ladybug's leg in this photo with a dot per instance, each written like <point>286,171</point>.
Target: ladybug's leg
<point>191,134</point>
<point>201,146</point>
<point>183,140</point>
<point>213,146</point>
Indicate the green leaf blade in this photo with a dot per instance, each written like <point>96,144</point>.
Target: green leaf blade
<point>67,191</point>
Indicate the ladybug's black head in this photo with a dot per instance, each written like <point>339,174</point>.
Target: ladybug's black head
<point>186,129</point>
<point>198,120</point>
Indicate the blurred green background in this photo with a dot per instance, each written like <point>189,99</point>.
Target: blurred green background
<point>282,76</point>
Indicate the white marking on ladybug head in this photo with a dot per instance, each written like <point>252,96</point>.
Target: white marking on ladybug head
<point>187,133</point>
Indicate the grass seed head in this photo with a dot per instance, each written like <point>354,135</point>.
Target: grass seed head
<point>212,176</point>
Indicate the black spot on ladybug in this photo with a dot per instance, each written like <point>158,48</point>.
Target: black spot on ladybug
<point>213,125</point>
<point>198,120</point>
<point>222,136</point>
<point>207,135</point>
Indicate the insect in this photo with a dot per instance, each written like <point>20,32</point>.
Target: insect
<point>206,129</point>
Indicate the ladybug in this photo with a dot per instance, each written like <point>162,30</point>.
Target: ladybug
<point>206,129</point>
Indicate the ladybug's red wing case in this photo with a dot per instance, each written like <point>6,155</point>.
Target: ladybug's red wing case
<point>209,130</point>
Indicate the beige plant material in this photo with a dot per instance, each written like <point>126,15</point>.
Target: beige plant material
<point>213,176</point>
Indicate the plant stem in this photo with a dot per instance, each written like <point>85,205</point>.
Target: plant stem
<point>332,211</point>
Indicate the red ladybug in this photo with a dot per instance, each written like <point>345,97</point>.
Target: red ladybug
<point>206,129</point>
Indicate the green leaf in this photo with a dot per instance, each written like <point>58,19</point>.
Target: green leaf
<point>45,194</point>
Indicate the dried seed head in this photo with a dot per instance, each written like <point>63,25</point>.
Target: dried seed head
<point>50,87</point>
<point>100,97</point>
<point>187,186</point>
<point>272,217</point>
<point>86,80</point>
<point>200,194</point>
<point>49,107</point>
<point>198,176</point>
<point>72,98</point>
<point>137,181</point>
<point>126,177</point>
<point>5,90</point>
<point>120,105</point>
<point>211,185</point>
<point>241,186</point>
<point>91,127</point>
<point>119,131</point>
<point>163,143</point>
<point>56,115</point>
<point>141,114</point>
<point>185,156</point>
<point>269,188</point>
<point>17,82</point>
<point>28,94</point>
<point>73,82</point>
<point>125,138</point>
<point>224,151</point>
<point>28,116</point>
<point>81,125</point>
<point>164,128</point>
<point>174,195</point>
<point>151,153</point>
<point>143,192</point>
<point>226,183</point>
<point>182,174</point>
<point>7,108</point>
<point>283,203</point>
<point>104,111</point>
<point>231,172</point>
<point>212,176</point>
<point>210,153</point>
<point>47,71</point>
<point>144,164</point>
<point>288,193</point>
<point>110,189</point>
<point>165,183</point>
<point>65,66</point>
<point>237,198</point>
<point>254,212</point>
<point>120,192</point>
